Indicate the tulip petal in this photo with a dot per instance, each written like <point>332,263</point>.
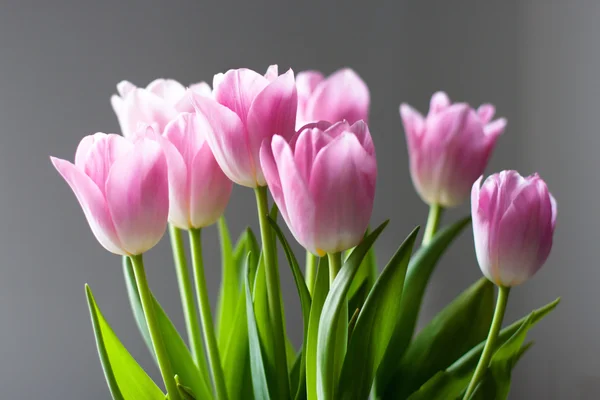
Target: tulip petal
<point>343,210</point>
<point>210,189</point>
<point>271,173</point>
<point>93,204</point>
<point>272,72</point>
<point>201,88</point>
<point>439,102</point>
<point>273,111</point>
<point>142,106</point>
<point>413,126</point>
<point>306,83</point>
<point>124,87</point>
<point>307,146</point>
<point>96,162</point>
<point>227,138</point>
<point>137,194</point>
<point>167,89</point>
<point>486,113</point>
<point>237,88</point>
<point>494,129</point>
<point>343,95</point>
<point>299,204</point>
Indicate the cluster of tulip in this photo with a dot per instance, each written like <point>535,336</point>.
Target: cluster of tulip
<point>305,140</point>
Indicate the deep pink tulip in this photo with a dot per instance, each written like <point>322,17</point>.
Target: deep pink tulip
<point>157,104</point>
<point>323,183</point>
<point>513,225</point>
<point>341,96</point>
<point>198,189</point>
<point>122,187</point>
<point>450,148</point>
<point>247,109</point>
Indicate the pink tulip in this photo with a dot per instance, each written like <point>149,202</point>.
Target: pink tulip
<point>341,96</point>
<point>198,189</point>
<point>247,109</point>
<point>323,183</point>
<point>450,148</point>
<point>156,105</point>
<point>513,225</point>
<point>122,187</point>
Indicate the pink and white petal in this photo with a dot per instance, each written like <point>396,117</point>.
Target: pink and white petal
<point>298,200</point>
<point>307,146</point>
<point>101,155</point>
<point>306,83</point>
<point>337,128</point>
<point>118,106</point>
<point>439,102</point>
<point>137,194</point>
<point>202,88</point>
<point>273,112</point>
<point>343,95</point>
<point>342,184</point>
<point>81,154</point>
<point>486,113</point>
<point>361,130</point>
<point>93,204</point>
<point>271,173</point>
<point>414,124</point>
<point>185,133</point>
<point>227,138</point>
<point>142,106</point>
<point>167,89</point>
<point>494,129</point>
<point>210,189</point>
<point>124,88</point>
<point>272,72</point>
<point>237,88</point>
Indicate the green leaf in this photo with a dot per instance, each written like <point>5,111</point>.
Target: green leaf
<point>125,378</point>
<point>452,382</point>
<point>303,293</point>
<point>419,271</point>
<point>258,368</point>
<point>363,281</point>
<point>462,324</point>
<point>321,288</point>
<point>179,355</point>
<point>185,392</point>
<point>230,286</point>
<point>333,325</point>
<point>375,325</point>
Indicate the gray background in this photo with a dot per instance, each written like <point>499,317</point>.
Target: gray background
<point>536,60</point>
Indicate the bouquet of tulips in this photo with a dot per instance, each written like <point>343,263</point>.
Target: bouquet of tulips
<point>305,140</point>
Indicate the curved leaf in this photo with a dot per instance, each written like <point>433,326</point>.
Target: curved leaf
<point>375,325</point>
<point>331,345</point>
<point>321,288</point>
<point>419,271</point>
<point>230,286</point>
<point>462,324</point>
<point>179,355</point>
<point>452,382</point>
<point>125,378</point>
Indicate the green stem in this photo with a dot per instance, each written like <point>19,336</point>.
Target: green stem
<point>489,348</point>
<point>310,272</point>
<point>273,293</point>
<point>157,342</point>
<point>205,314</point>
<point>187,296</point>
<point>335,264</point>
<point>433,223</point>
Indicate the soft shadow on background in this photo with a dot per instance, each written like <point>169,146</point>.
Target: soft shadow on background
<point>537,61</point>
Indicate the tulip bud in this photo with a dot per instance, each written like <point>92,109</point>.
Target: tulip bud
<point>247,109</point>
<point>323,183</point>
<point>450,148</point>
<point>513,225</point>
<point>156,105</point>
<point>122,187</point>
<point>341,96</point>
<point>198,189</point>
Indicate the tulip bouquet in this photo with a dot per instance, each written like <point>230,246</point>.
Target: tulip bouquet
<point>305,140</point>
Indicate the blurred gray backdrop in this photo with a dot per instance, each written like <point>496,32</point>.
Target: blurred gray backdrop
<point>537,61</point>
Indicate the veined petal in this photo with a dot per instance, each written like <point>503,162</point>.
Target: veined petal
<point>237,88</point>
<point>137,194</point>
<point>93,204</point>
<point>101,153</point>
<point>168,89</point>
<point>307,146</point>
<point>142,106</point>
<point>272,73</point>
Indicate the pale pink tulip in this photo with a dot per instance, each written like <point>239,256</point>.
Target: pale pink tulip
<point>248,108</point>
<point>157,104</point>
<point>122,187</point>
<point>323,183</point>
<point>198,189</point>
<point>513,226</point>
<point>450,148</point>
<point>341,96</point>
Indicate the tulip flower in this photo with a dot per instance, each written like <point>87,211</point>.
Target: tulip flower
<point>198,189</point>
<point>450,148</point>
<point>247,109</point>
<point>122,187</point>
<point>156,105</point>
<point>341,96</point>
<point>323,183</point>
<point>513,225</point>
